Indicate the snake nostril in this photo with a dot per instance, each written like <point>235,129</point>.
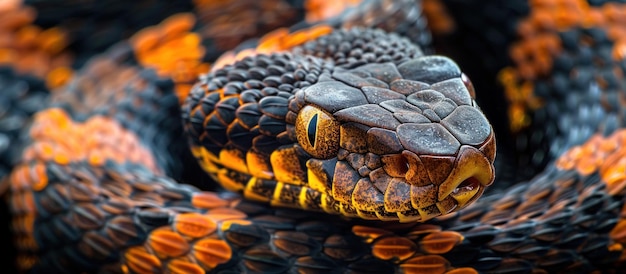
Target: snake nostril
<point>396,165</point>
<point>403,165</point>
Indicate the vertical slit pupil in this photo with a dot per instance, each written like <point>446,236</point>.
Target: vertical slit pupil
<point>311,131</point>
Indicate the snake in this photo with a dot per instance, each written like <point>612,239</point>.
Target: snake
<point>341,144</point>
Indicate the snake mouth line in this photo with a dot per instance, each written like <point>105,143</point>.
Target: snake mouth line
<point>468,190</point>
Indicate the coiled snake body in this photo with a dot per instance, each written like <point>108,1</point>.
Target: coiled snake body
<point>347,117</point>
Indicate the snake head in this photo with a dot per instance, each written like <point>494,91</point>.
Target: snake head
<point>374,130</point>
<point>395,142</point>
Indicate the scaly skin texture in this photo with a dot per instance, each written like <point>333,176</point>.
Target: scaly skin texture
<point>92,191</point>
<point>375,129</point>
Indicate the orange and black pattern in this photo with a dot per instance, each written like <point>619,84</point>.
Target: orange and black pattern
<point>93,151</point>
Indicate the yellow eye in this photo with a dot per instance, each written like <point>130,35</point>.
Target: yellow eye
<point>317,132</point>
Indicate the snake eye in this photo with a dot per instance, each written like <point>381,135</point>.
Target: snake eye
<point>317,132</point>
<point>312,130</point>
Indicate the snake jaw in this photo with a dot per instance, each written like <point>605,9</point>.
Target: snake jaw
<point>472,172</point>
<point>470,189</point>
<point>440,185</point>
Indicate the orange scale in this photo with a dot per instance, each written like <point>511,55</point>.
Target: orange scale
<point>597,159</point>
<point>207,200</point>
<point>525,70</point>
<point>38,129</point>
<point>576,153</point>
<point>552,43</point>
<point>56,136</point>
<point>27,36</point>
<point>616,185</point>
<point>16,223</point>
<point>110,129</point>
<point>586,167</point>
<point>19,178</point>
<point>63,158</point>
<point>16,203</point>
<point>225,59</point>
<point>139,260</point>
<point>28,227</point>
<point>52,40</point>
<point>59,77</point>
<point>611,11</point>
<point>594,18</point>
<point>424,229</point>
<point>10,5</point>
<point>393,248</point>
<point>183,72</point>
<point>564,19</point>
<point>27,202</point>
<point>618,233</point>
<point>168,46</point>
<point>589,149</point>
<point>182,90</point>
<point>621,14</point>
<point>162,71</point>
<point>39,176</point>
<point>212,252</point>
<point>608,145</point>
<point>613,163</point>
<point>33,62</point>
<point>565,163</point>
<point>517,53</point>
<point>525,29</point>
<point>179,266</point>
<point>7,56</point>
<point>194,225</point>
<point>222,214</point>
<point>168,243</point>
<point>319,30</point>
<point>245,53</point>
<point>29,154</point>
<point>436,13</point>
<point>92,142</point>
<point>133,155</point>
<point>514,94</point>
<point>191,40</point>
<point>563,4</point>
<point>620,164</point>
<point>425,264</point>
<point>619,49</point>
<point>533,46</point>
<point>271,42</point>
<point>615,32</point>
<point>440,242</point>
<point>147,159</point>
<point>44,150</point>
<point>28,242</point>
<point>146,39</point>
<point>369,233</point>
<point>543,20</point>
<point>18,18</point>
<point>537,4</point>
<point>463,270</point>
<point>517,116</point>
<point>294,39</point>
<point>177,24</point>
<point>542,63</point>
<point>620,136</point>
